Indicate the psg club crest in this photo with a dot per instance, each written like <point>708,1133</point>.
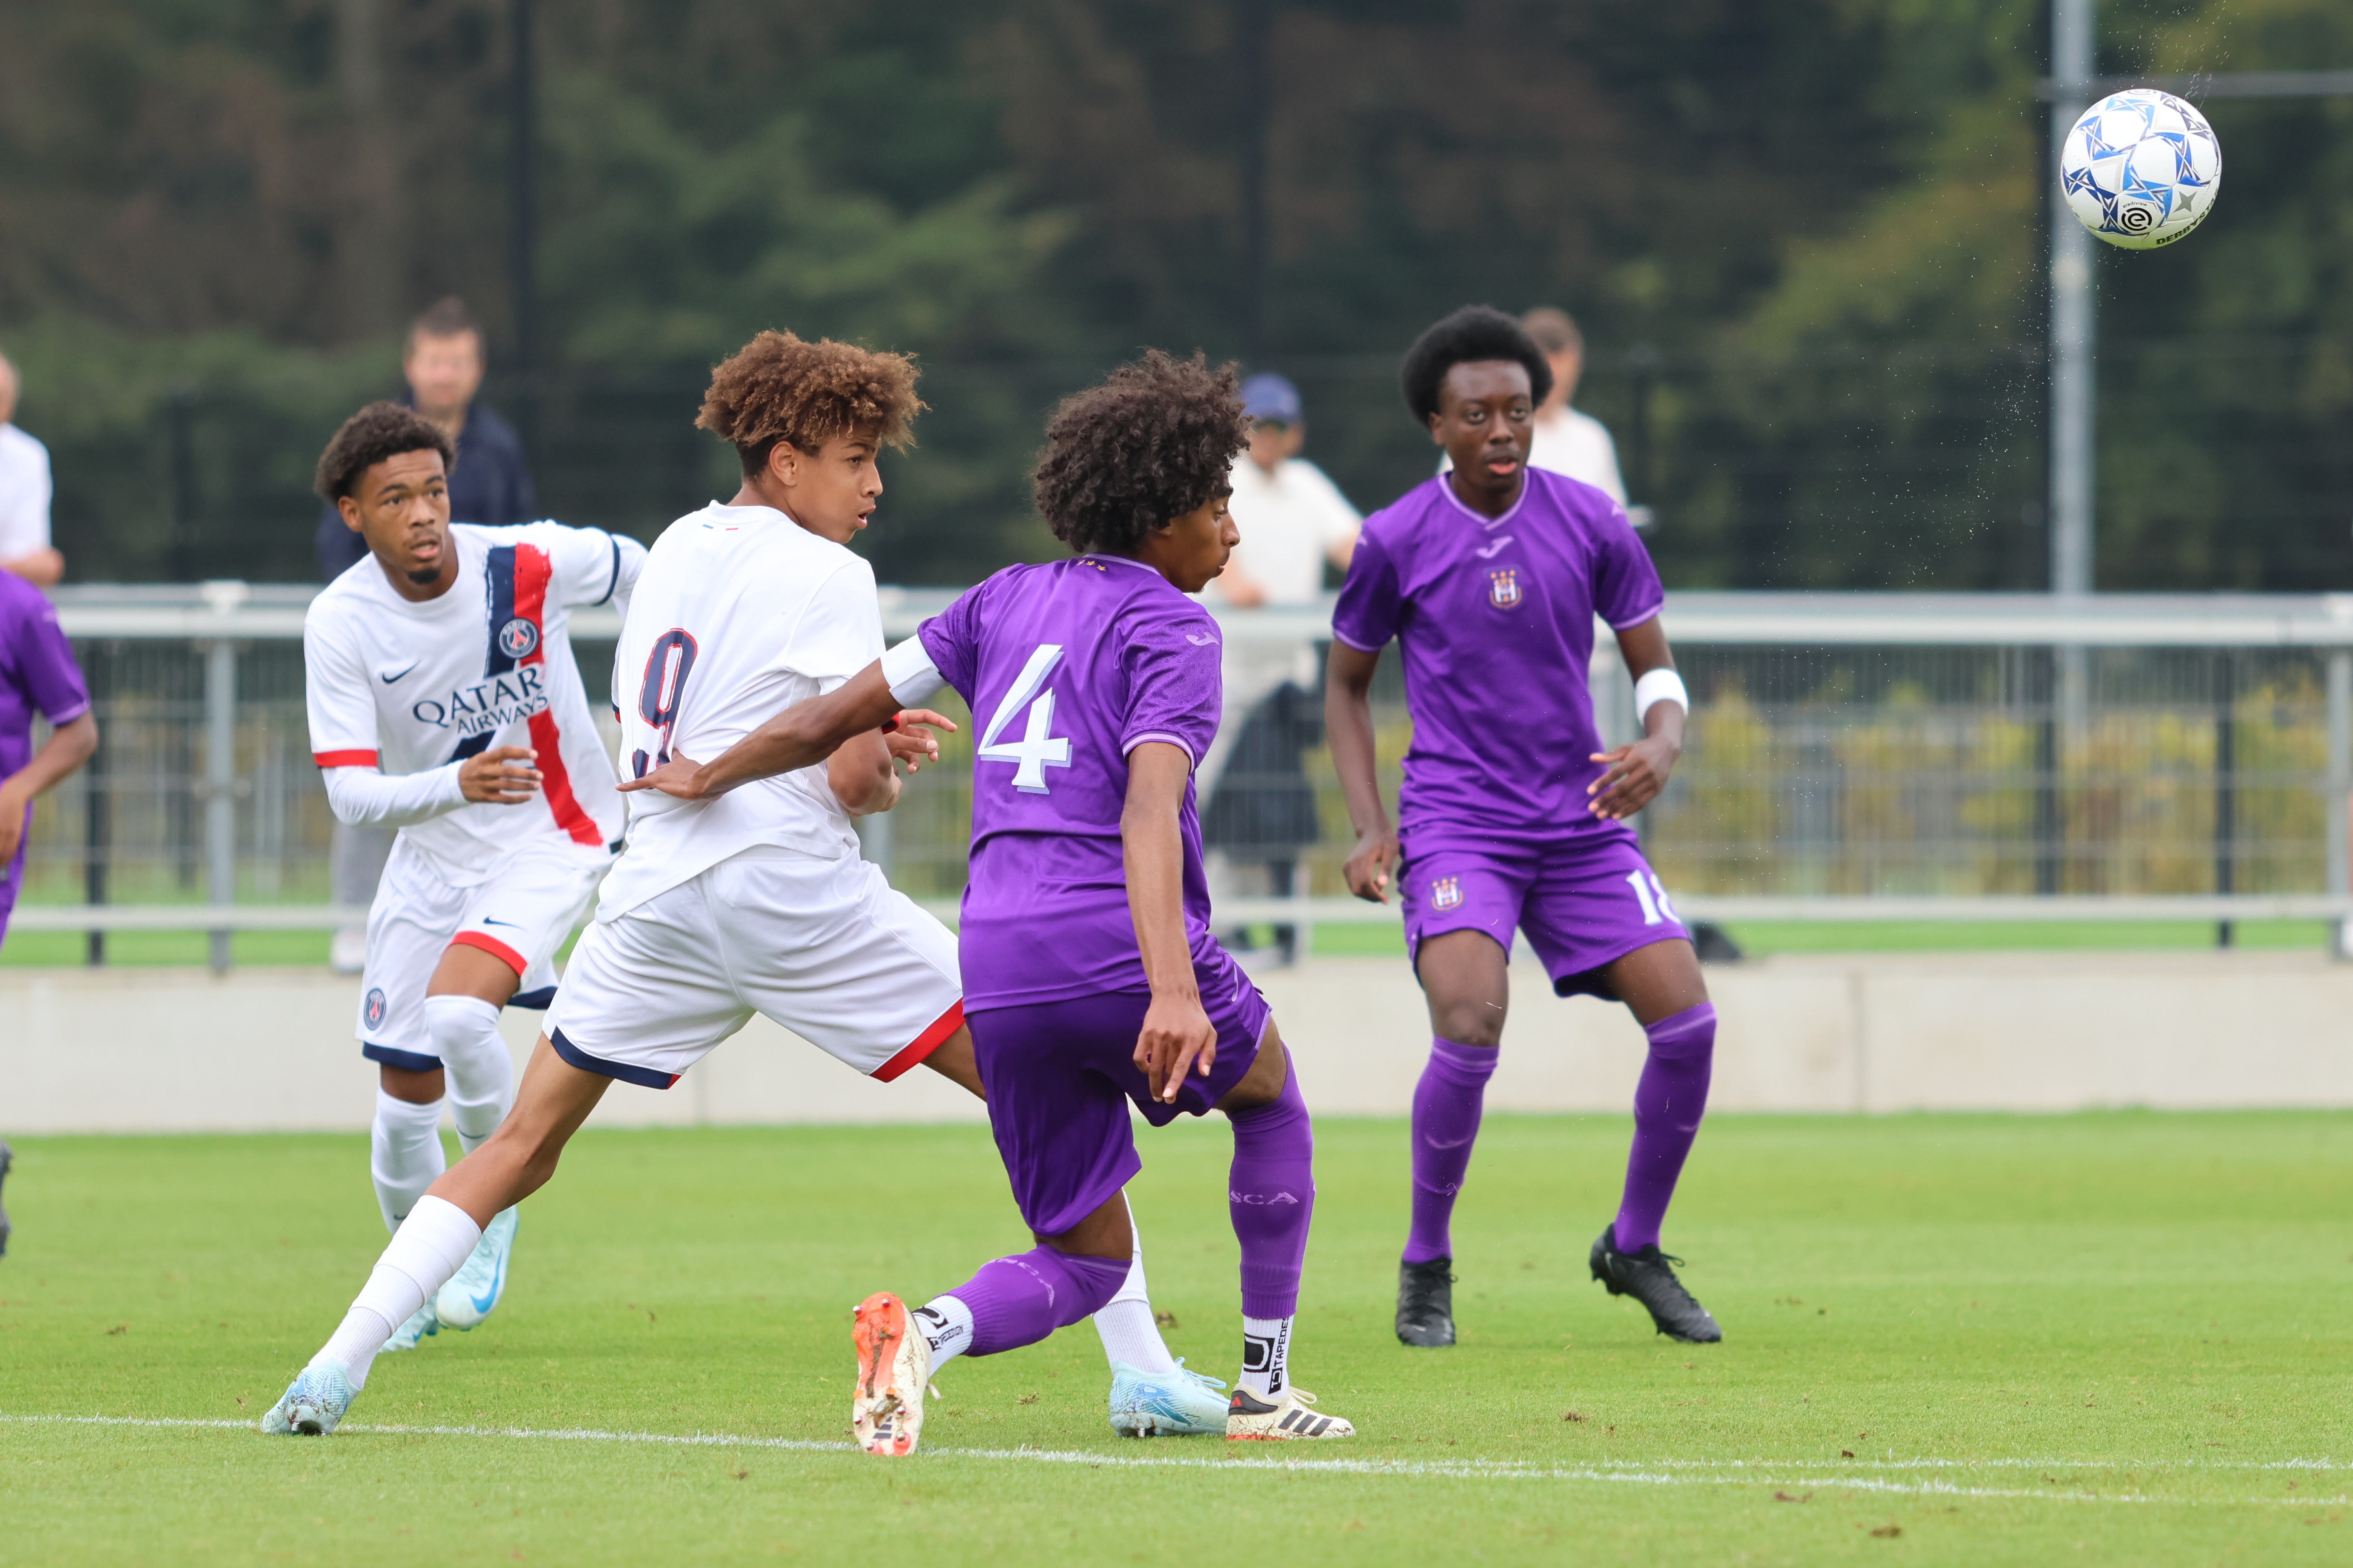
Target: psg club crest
<point>518,638</point>
<point>1504,588</point>
<point>1446,893</point>
<point>375,1010</point>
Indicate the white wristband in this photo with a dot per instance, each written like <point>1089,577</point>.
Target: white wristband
<point>1659,686</point>
<point>910,673</point>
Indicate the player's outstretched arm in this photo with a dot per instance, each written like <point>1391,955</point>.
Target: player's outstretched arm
<point>1348,722</point>
<point>1638,771</point>
<point>1177,1035</point>
<point>801,736</point>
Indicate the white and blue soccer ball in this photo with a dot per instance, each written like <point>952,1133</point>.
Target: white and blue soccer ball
<point>2141,169</point>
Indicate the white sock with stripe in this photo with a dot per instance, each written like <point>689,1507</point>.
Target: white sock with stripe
<point>429,1247</point>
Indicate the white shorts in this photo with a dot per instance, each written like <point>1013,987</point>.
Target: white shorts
<point>520,913</point>
<point>827,948</point>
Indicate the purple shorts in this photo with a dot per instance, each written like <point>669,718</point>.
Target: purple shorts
<point>1061,1075</point>
<point>1583,903</point>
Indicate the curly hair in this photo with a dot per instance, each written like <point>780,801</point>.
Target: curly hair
<point>1154,441</point>
<point>779,388</point>
<point>379,431</point>
<point>1473,333</point>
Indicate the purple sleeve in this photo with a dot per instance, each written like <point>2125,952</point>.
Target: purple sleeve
<point>1176,689</point>
<point>51,677</point>
<point>1626,590</point>
<point>951,638</point>
<point>1365,617</point>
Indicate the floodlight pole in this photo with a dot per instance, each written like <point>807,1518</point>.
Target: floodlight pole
<point>2073,324</point>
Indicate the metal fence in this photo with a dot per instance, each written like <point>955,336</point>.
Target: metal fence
<point>1849,756</point>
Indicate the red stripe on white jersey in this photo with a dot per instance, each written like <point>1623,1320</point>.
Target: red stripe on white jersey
<point>924,1044</point>
<point>344,759</point>
<point>532,571</point>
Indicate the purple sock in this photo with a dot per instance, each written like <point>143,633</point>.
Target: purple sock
<point>1018,1300</point>
<point>1271,1192</point>
<point>1668,1103</point>
<point>1445,1124</point>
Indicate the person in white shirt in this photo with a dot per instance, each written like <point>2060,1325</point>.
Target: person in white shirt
<point>1567,440</point>
<point>444,701</point>
<point>1293,519</point>
<point>741,899</point>
<point>24,492</point>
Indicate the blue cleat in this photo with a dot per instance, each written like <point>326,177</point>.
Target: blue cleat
<point>423,1323</point>
<point>1180,1403</point>
<point>314,1405</point>
<point>472,1293</point>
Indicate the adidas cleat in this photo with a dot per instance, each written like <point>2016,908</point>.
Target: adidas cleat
<point>1425,1315</point>
<point>472,1293</point>
<point>1178,1403</point>
<point>1274,1418</point>
<point>1649,1276</point>
<point>314,1405</point>
<point>894,1367</point>
<point>422,1325</point>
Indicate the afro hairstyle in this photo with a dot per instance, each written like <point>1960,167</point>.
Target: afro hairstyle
<point>379,431</point>
<point>779,388</point>
<point>1470,334</point>
<point>1156,440</point>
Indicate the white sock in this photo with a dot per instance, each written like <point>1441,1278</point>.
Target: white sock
<point>1266,1355</point>
<point>404,1154</point>
<point>1125,1322</point>
<point>465,1031</point>
<point>946,1323</point>
<point>428,1247</point>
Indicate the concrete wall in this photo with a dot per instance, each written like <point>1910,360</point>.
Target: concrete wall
<point>178,1050</point>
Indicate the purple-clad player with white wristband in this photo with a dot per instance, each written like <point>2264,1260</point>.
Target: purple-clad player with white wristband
<point>1513,813</point>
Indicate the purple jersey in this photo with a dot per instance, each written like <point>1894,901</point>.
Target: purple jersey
<point>38,675</point>
<point>1068,668</point>
<point>1495,616</point>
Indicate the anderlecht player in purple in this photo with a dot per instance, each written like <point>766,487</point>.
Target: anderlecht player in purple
<point>1092,982</point>
<point>1512,816</point>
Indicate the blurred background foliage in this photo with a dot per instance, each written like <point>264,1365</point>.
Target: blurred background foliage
<point>1804,239</point>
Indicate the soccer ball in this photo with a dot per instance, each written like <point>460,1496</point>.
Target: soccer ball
<point>2141,169</point>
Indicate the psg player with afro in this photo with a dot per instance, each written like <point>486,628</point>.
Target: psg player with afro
<point>1514,813</point>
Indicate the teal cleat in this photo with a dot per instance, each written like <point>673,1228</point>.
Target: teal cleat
<point>314,1405</point>
<point>472,1293</point>
<point>423,1323</point>
<point>1179,1403</point>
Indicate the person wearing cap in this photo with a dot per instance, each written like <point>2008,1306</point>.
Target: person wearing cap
<point>1258,808</point>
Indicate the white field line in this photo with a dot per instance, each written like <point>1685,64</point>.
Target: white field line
<point>1665,1472</point>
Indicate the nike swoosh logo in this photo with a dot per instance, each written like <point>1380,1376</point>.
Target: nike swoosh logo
<point>509,924</point>
<point>388,679</point>
<point>484,1302</point>
<point>1488,553</point>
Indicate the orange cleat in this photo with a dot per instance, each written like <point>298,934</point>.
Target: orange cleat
<point>894,1363</point>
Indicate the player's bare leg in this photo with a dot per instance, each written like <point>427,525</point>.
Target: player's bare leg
<point>1467,982</point>
<point>1662,986</point>
<point>439,1234</point>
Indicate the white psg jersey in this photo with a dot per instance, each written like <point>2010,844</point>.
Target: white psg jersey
<point>406,688</point>
<point>740,614</point>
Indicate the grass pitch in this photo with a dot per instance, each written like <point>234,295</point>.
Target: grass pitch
<point>2112,1338</point>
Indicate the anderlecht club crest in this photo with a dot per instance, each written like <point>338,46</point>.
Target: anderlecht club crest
<point>1503,588</point>
<point>1446,893</point>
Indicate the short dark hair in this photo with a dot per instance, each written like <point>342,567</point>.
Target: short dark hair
<point>779,388</point>
<point>379,431</point>
<point>1156,440</point>
<point>1554,330</point>
<point>1470,334</point>
<point>445,318</point>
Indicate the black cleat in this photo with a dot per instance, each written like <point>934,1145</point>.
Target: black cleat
<point>1425,1303</point>
<point>7,1159</point>
<point>1646,1277</point>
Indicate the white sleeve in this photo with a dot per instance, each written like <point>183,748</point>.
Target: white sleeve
<point>363,797</point>
<point>1338,519</point>
<point>592,567</point>
<point>911,675</point>
<point>335,693</point>
<point>841,629</point>
<point>24,494</point>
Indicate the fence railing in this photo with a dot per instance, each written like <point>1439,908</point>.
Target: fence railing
<point>1851,756</point>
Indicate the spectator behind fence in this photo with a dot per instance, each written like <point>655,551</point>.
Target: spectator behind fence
<point>1259,810</point>
<point>489,484</point>
<point>24,547</point>
<point>1567,440</point>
